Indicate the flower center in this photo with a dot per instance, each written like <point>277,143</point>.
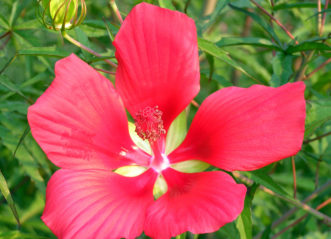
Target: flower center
<point>149,123</point>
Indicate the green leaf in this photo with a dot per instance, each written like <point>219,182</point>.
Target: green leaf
<point>28,25</point>
<point>35,79</point>
<point>110,34</point>
<point>19,235</point>
<point>16,10</point>
<point>43,51</point>
<point>35,208</point>
<point>221,80</point>
<point>19,106</point>
<point>228,231</point>
<point>181,236</point>
<point>13,138</point>
<point>166,4</point>
<point>6,193</point>
<point>318,113</point>
<point>211,63</point>
<point>10,86</point>
<point>318,13</point>
<point>82,38</point>
<point>266,233</point>
<point>282,69</point>
<point>222,55</point>
<point>264,179</point>
<point>283,6</point>
<point>305,46</point>
<point>260,21</point>
<point>216,13</point>
<point>4,23</point>
<point>254,41</point>
<point>92,31</point>
<point>244,221</point>
<point>176,132</point>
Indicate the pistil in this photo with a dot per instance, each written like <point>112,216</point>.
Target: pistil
<point>149,123</point>
<point>149,126</point>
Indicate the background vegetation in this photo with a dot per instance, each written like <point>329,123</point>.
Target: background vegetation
<point>241,43</point>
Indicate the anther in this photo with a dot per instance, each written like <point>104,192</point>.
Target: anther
<point>149,123</point>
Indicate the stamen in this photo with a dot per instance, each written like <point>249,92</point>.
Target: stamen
<point>149,123</point>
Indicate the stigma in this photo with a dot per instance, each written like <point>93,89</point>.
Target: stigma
<point>149,123</point>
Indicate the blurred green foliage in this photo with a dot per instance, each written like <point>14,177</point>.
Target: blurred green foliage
<point>239,45</point>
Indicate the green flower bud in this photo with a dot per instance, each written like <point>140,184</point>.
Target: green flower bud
<point>62,11</point>
<point>62,14</point>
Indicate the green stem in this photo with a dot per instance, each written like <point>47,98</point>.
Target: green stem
<point>293,210</point>
<point>85,48</point>
<point>295,202</point>
<point>275,20</point>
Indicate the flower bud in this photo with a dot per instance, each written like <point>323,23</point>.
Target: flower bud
<point>62,14</point>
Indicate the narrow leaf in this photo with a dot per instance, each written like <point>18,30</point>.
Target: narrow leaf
<point>307,46</point>
<point>43,51</point>
<point>13,131</point>
<point>244,221</point>
<point>166,4</point>
<point>318,113</point>
<point>260,21</point>
<point>6,193</point>
<point>282,69</point>
<point>19,235</point>
<point>255,41</point>
<point>264,179</point>
<point>10,86</point>
<point>216,13</point>
<point>222,55</point>
<point>283,6</point>
<point>82,38</point>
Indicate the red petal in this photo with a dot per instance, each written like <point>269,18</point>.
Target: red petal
<point>97,204</point>
<point>196,202</point>
<point>80,121</point>
<point>158,63</point>
<point>246,129</point>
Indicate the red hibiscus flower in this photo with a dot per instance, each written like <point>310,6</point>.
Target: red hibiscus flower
<point>81,124</point>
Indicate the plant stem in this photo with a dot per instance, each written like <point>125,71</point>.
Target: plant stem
<point>324,16</point>
<point>303,66</point>
<point>116,11</point>
<point>317,138</point>
<point>8,64</point>
<point>317,69</point>
<point>295,202</point>
<point>196,104</point>
<point>319,16</point>
<point>5,34</point>
<point>85,48</point>
<point>275,20</point>
<point>209,7</point>
<point>293,210</point>
<point>105,71</point>
<point>323,204</point>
